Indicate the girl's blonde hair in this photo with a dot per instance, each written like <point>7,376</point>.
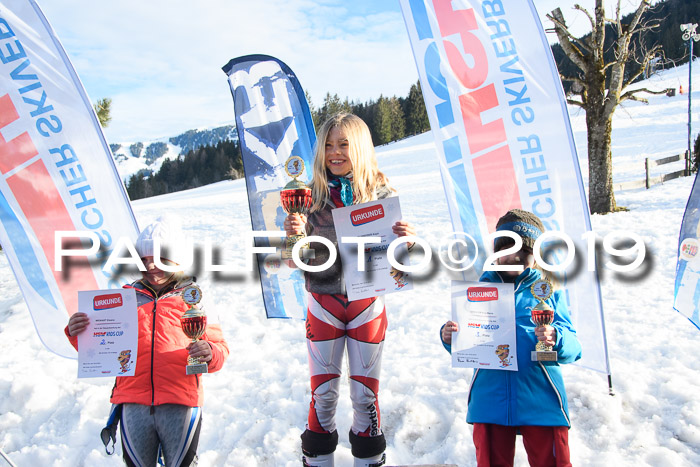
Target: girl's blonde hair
<point>366,177</point>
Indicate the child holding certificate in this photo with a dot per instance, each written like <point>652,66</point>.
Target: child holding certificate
<point>160,406</point>
<point>530,401</point>
<point>344,173</point>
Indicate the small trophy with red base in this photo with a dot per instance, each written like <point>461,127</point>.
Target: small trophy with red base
<point>296,198</point>
<point>542,315</point>
<point>194,323</point>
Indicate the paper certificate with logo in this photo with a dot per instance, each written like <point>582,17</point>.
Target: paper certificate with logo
<point>371,274</point>
<point>485,313</point>
<point>109,345</point>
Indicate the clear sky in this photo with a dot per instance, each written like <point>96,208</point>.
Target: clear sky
<point>160,61</point>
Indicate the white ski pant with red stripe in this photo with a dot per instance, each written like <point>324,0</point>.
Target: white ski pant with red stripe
<point>332,324</point>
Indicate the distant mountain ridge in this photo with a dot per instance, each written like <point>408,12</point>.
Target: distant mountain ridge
<point>132,157</point>
<point>193,139</point>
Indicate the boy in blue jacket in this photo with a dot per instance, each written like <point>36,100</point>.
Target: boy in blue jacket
<point>532,400</point>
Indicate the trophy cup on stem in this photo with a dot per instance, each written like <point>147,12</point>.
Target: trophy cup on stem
<point>296,198</point>
<point>542,315</point>
<point>194,323</point>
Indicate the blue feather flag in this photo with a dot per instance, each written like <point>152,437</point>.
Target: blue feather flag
<point>274,123</point>
<point>687,287</point>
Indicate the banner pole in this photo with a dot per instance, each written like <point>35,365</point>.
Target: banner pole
<point>7,459</point>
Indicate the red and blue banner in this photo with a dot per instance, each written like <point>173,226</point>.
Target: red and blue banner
<point>274,123</point>
<point>498,115</point>
<point>56,173</point>
<point>687,288</point>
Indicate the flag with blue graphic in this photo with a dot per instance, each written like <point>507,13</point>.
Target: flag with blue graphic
<point>498,114</point>
<point>687,289</point>
<point>56,174</point>
<point>274,123</point>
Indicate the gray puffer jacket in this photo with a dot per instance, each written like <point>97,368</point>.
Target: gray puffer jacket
<point>321,223</point>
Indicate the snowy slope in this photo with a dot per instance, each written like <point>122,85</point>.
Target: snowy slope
<point>134,156</point>
<point>255,408</point>
<point>129,164</point>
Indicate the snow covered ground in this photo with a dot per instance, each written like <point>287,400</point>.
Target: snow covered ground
<point>255,408</point>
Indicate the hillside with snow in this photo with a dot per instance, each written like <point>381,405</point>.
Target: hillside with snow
<point>256,407</point>
<point>139,156</point>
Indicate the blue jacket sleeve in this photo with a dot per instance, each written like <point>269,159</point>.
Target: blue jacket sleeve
<point>568,346</point>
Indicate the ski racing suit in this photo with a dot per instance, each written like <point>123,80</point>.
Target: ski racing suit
<point>333,324</point>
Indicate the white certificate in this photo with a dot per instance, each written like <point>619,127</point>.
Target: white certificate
<point>370,274</point>
<point>109,345</point>
<point>485,313</point>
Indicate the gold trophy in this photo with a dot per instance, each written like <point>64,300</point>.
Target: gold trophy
<point>194,323</point>
<point>296,198</point>
<point>542,315</point>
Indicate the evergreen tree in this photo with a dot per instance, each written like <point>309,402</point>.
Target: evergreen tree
<point>136,149</point>
<point>382,122</point>
<point>312,109</point>
<point>134,187</point>
<point>416,114</point>
<point>367,113</point>
<point>396,119</point>
<point>331,106</point>
<point>388,122</point>
<point>208,164</point>
<point>103,109</point>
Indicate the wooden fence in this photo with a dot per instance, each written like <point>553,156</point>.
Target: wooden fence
<point>649,180</point>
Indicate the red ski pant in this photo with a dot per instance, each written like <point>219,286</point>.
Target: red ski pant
<point>332,323</point>
<point>546,446</point>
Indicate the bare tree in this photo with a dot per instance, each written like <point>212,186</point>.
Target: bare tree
<point>600,87</point>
